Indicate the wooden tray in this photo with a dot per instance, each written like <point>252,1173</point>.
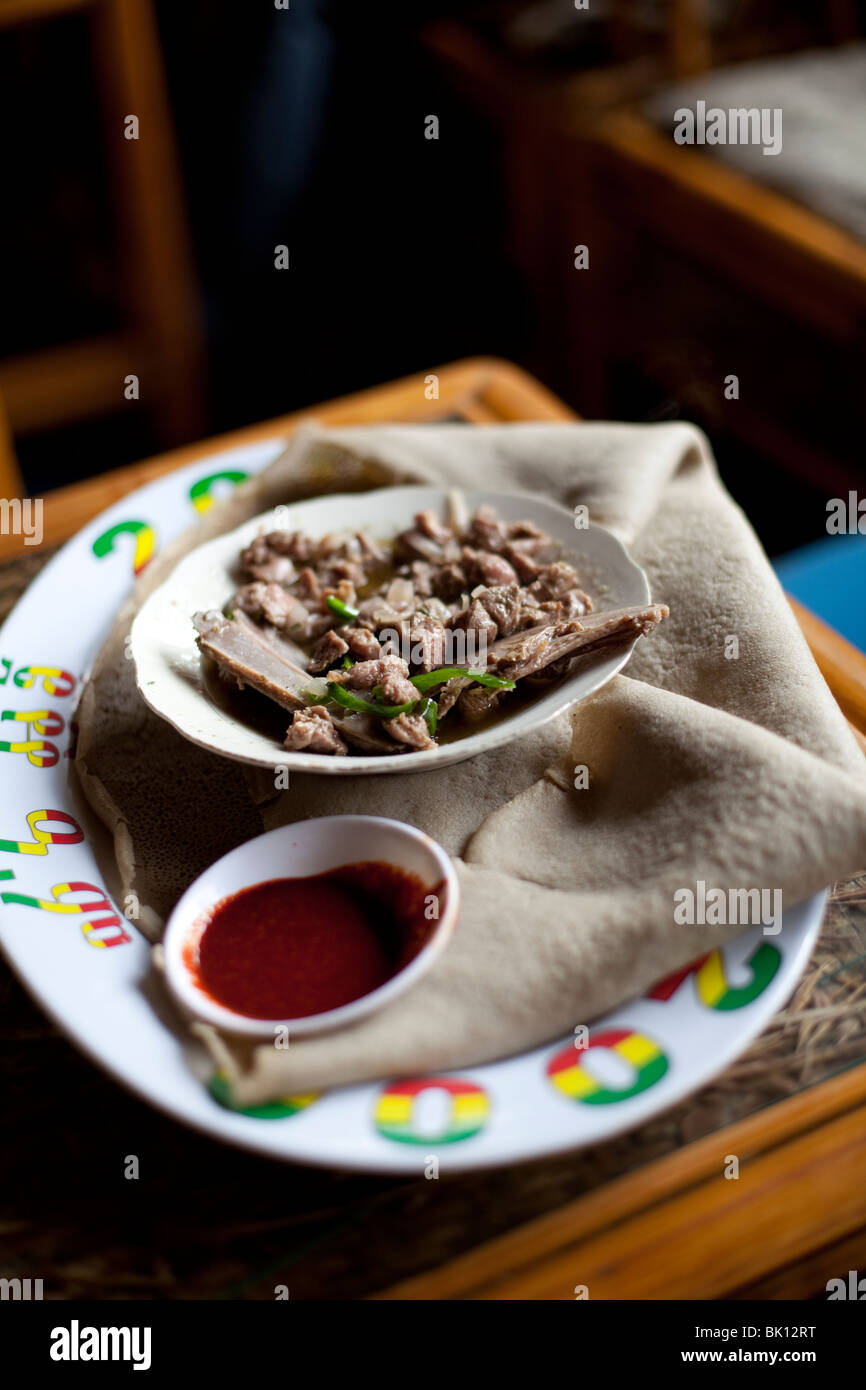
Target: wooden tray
<point>646,1216</point>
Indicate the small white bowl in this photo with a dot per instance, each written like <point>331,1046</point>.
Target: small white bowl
<point>299,851</point>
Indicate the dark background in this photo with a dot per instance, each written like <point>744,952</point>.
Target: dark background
<point>306,128</point>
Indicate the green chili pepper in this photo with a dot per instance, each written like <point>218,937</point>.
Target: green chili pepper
<point>341,609</point>
<point>355,702</point>
<point>427,681</point>
<point>429,710</point>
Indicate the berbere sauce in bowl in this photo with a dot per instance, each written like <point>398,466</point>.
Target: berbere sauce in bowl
<point>311,926</point>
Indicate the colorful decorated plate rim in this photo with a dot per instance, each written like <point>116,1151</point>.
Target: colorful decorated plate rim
<point>68,941</point>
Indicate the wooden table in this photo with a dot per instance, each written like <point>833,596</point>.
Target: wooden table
<point>647,1215</point>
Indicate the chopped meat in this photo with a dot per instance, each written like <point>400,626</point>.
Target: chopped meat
<point>389,672</point>
<point>273,603</point>
<point>279,643</point>
<point>262,561</point>
<point>487,531</point>
<point>429,525</point>
<point>483,567</point>
<point>311,731</point>
<point>572,605</point>
<point>531,549</point>
<point>411,729</point>
<point>334,572</point>
<point>414,545</point>
<point>477,702</point>
<point>329,648</point>
<point>428,539</point>
<point>450,581</point>
<point>364,731</point>
<point>362,643</point>
<point>295,544</point>
<point>502,603</point>
<point>553,581</point>
<point>531,616</point>
<point>525,567</point>
<point>338,545</point>
<point>421,575</point>
<point>250,661</point>
<point>519,530</point>
<point>309,586</point>
<point>530,651</point>
<point>471,594</point>
<point>370,550</point>
<point>476,618</point>
<point>427,642</point>
<point>451,692</point>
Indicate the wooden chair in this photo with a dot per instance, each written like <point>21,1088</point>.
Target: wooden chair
<point>11,482</point>
<point>583,165</point>
<point>162,342</point>
<point>775,250</point>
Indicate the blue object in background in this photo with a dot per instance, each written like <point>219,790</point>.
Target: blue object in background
<point>829,577</point>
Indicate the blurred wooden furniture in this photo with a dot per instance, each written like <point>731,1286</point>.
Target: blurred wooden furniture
<point>646,1215</point>
<point>680,246</point>
<point>162,342</point>
<point>738,233</point>
<point>479,390</point>
<point>11,482</point>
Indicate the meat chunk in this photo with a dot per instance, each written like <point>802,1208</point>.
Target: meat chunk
<point>428,539</point>
<point>309,586</point>
<point>311,731</point>
<point>574,604</point>
<point>388,672</point>
<point>427,641</point>
<point>522,561</point>
<point>477,621</point>
<point>292,543</point>
<point>335,571</point>
<point>422,577</point>
<point>487,531</point>
<point>520,530</point>
<point>450,581</point>
<point>410,729</point>
<point>502,604</point>
<point>429,525</point>
<point>450,694</point>
<point>483,567</point>
<point>363,644</point>
<point>370,550</point>
<point>553,581</point>
<point>477,702</point>
<point>281,645</point>
<point>261,561</point>
<point>527,652</point>
<point>271,603</point>
<point>238,650</point>
<point>329,648</point>
<point>364,731</point>
<point>338,545</point>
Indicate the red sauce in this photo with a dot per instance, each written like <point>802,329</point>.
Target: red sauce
<point>299,946</point>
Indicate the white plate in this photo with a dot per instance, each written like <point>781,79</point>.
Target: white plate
<point>646,1055</point>
<point>168,664</point>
